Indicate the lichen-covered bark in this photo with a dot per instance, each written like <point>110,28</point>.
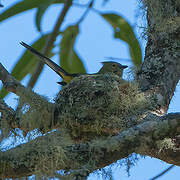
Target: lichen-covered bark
<point>52,152</point>
<point>161,67</point>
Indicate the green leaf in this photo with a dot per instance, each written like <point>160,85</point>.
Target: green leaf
<point>26,63</point>
<point>40,12</point>
<point>24,6</point>
<point>69,59</point>
<point>123,31</point>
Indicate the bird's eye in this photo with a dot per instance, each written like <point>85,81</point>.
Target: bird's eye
<point>113,65</point>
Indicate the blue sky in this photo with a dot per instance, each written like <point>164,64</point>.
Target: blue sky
<point>93,44</point>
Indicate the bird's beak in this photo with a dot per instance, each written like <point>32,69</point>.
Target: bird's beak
<point>62,83</point>
<point>124,66</point>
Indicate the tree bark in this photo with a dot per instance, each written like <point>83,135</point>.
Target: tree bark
<point>52,151</point>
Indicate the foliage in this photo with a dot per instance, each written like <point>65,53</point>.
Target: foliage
<point>123,31</point>
<point>70,60</point>
<point>26,63</point>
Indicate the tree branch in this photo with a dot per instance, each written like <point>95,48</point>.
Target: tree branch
<point>7,118</point>
<point>53,152</point>
<point>9,82</point>
<point>161,68</point>
<point>4,108</point>
<point>41,109</point>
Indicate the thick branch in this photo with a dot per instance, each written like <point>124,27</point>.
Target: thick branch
<point>42,152</point>
<point>161,68</point>
<point>9,82</point>
<point>7,118</point>
<point>4,108</point>
<point>38,103</point>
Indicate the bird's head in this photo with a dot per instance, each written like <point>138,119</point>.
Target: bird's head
<point>113,67</point>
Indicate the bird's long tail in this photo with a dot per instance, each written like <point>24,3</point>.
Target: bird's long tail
<point>61,72</point>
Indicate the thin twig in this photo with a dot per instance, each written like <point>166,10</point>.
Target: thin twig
<point>86,6</point>
<point>86,12</point>
<point>49,42</point>
<point>162,173</point>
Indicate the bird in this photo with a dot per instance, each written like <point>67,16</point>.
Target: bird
<point>108,66</point>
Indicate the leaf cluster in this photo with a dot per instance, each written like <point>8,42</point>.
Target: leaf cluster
<point>69,58</point>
